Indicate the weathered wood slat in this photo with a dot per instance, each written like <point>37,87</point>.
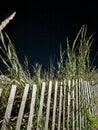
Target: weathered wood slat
<point>90,98</point>
<point>41,104</point>
<point>93,100</point>
<point>0,91</point>
<point>83,105</point>
<point>48,105</point>
<point>73,105</point>
<point>29,126</point>
<point>95,96</point>
<point>9,107</point>
<point>21,111</point>
<point>68,107</point>
<point>79,93</point>
<point>77,105</point>
<point>64,101</point>
<point>60,108</point>
<point>85,94</point>
<point>54,106</point>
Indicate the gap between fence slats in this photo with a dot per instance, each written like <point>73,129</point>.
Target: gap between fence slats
<point>21,111</point>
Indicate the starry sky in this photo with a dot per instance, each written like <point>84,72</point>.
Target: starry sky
<point>39,27</point>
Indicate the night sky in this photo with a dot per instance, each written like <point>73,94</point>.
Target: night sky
<point>39,27</point>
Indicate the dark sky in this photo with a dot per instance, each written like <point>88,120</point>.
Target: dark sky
<point>40,26</point>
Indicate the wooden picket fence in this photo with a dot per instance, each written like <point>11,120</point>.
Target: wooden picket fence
<point>56,105</point>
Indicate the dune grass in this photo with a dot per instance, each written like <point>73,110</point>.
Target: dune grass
<point>74,63</point>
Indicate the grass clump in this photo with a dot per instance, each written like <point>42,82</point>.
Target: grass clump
<point>9,58</point>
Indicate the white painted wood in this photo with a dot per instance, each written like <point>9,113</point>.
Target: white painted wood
<point>0,91</point>
<point>48,105</point>
<point>60,108</point>
<point>41,103</point>
<point>9,108</point>
<point>21,111</point>
<point>54,105</point>
<point>31,114</point>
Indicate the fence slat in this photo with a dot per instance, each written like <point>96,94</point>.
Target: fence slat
<point>60,108</point>
<point>9,107</point>
<point>90,98</point>
<point>85,94</point>
<point>73,105</point>
<point>21,111</point>
<point>83,104</point>
<point>95,103</point>
<point>0,91</point>
<point>48,105</point>
<point>79,93</point>
<point>68,107</point>
<point>54,106</point>
<point>77,105</point>
<point>64,99</point>
<point>41,103</point>
<point>29,126</point>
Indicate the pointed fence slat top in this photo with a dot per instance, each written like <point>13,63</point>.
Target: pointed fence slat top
<point>21,111</point>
